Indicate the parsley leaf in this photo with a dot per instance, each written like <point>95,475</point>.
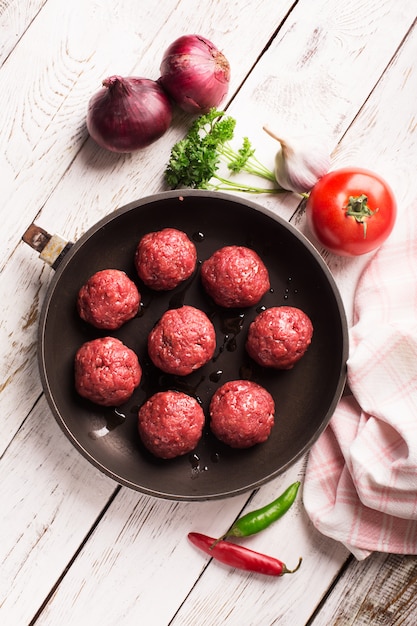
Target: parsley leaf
<point>195,160</point>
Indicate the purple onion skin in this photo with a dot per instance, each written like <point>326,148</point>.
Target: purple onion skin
<point>128,114</point>
<point>195,74</point>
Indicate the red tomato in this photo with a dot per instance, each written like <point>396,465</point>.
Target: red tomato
<point>351,211</point>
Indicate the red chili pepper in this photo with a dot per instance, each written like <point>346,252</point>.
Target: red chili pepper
<point>237,556</point>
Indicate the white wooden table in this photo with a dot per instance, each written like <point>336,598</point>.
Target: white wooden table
<point>75,547</point>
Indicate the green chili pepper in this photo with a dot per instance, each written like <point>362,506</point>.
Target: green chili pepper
<point>257,520</point>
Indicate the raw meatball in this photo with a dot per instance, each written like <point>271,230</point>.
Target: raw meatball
<point>235,276</point>
<point>170,424</point>
<point>183,340</point>
<point>278,337</point>
<point>106,371</point>
<point>165,258</point>
<point>108,299</point>
<point>242,413</point>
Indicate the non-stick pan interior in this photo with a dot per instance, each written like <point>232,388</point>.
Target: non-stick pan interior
<point>305,396</point>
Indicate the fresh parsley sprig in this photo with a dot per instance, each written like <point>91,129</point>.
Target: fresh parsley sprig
<point>195,160</point>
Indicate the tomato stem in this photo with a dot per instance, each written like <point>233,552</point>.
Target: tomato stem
<point>358,208</point>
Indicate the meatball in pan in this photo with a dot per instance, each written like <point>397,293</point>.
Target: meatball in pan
<point>108,299</point>
<point>234,277</point>
<point>170,424</point>
<point>279,336</point>
<point>242,413</point>
<point>106,371</point>
<point>165,258</point>
<point>182,341</point>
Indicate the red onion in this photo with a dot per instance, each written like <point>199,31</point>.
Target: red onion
<point>128,113</point>
<point>195,74</point>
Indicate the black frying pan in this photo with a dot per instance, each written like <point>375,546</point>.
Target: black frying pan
<point>305,396</point>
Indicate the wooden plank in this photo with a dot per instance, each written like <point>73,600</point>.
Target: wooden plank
<point>20,385</point>
<point>114,579</point>
<point>15,18</point>
<point>51,496</point>
<point>382,138</point>
<point>119,577</point>
<point>227,596</point>
<point>44,111</point>
<point>319,70</point>
<point>381,591</point>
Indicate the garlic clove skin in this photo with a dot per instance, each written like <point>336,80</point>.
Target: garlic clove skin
<point>300,162</point>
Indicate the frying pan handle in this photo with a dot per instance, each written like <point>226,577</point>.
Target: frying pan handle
<point>52,248</point>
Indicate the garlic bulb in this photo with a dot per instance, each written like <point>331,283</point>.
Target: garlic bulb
<point>300,162</point>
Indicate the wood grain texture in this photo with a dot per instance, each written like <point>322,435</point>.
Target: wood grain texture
<point>117,579</point>
<point>383,138</point>
<point>136,527</point>
<point>226,596</point>
<point>15,18</point>
<point>50,497</point>
<point>45,122</point>
<point>381,591</point>
<point>321,85</point>
<point>76,547</point>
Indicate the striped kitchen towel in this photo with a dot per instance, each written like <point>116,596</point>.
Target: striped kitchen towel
<point>361,479</point>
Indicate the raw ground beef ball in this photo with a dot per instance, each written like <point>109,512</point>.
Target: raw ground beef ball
<point>108,299</point>
<point>242,413</point>
<point>235,276</point>
<point>106,371</point>
<point>279,336</point>
<point>183,340</point>
<point>165,258</point>
<point>170,424</point>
